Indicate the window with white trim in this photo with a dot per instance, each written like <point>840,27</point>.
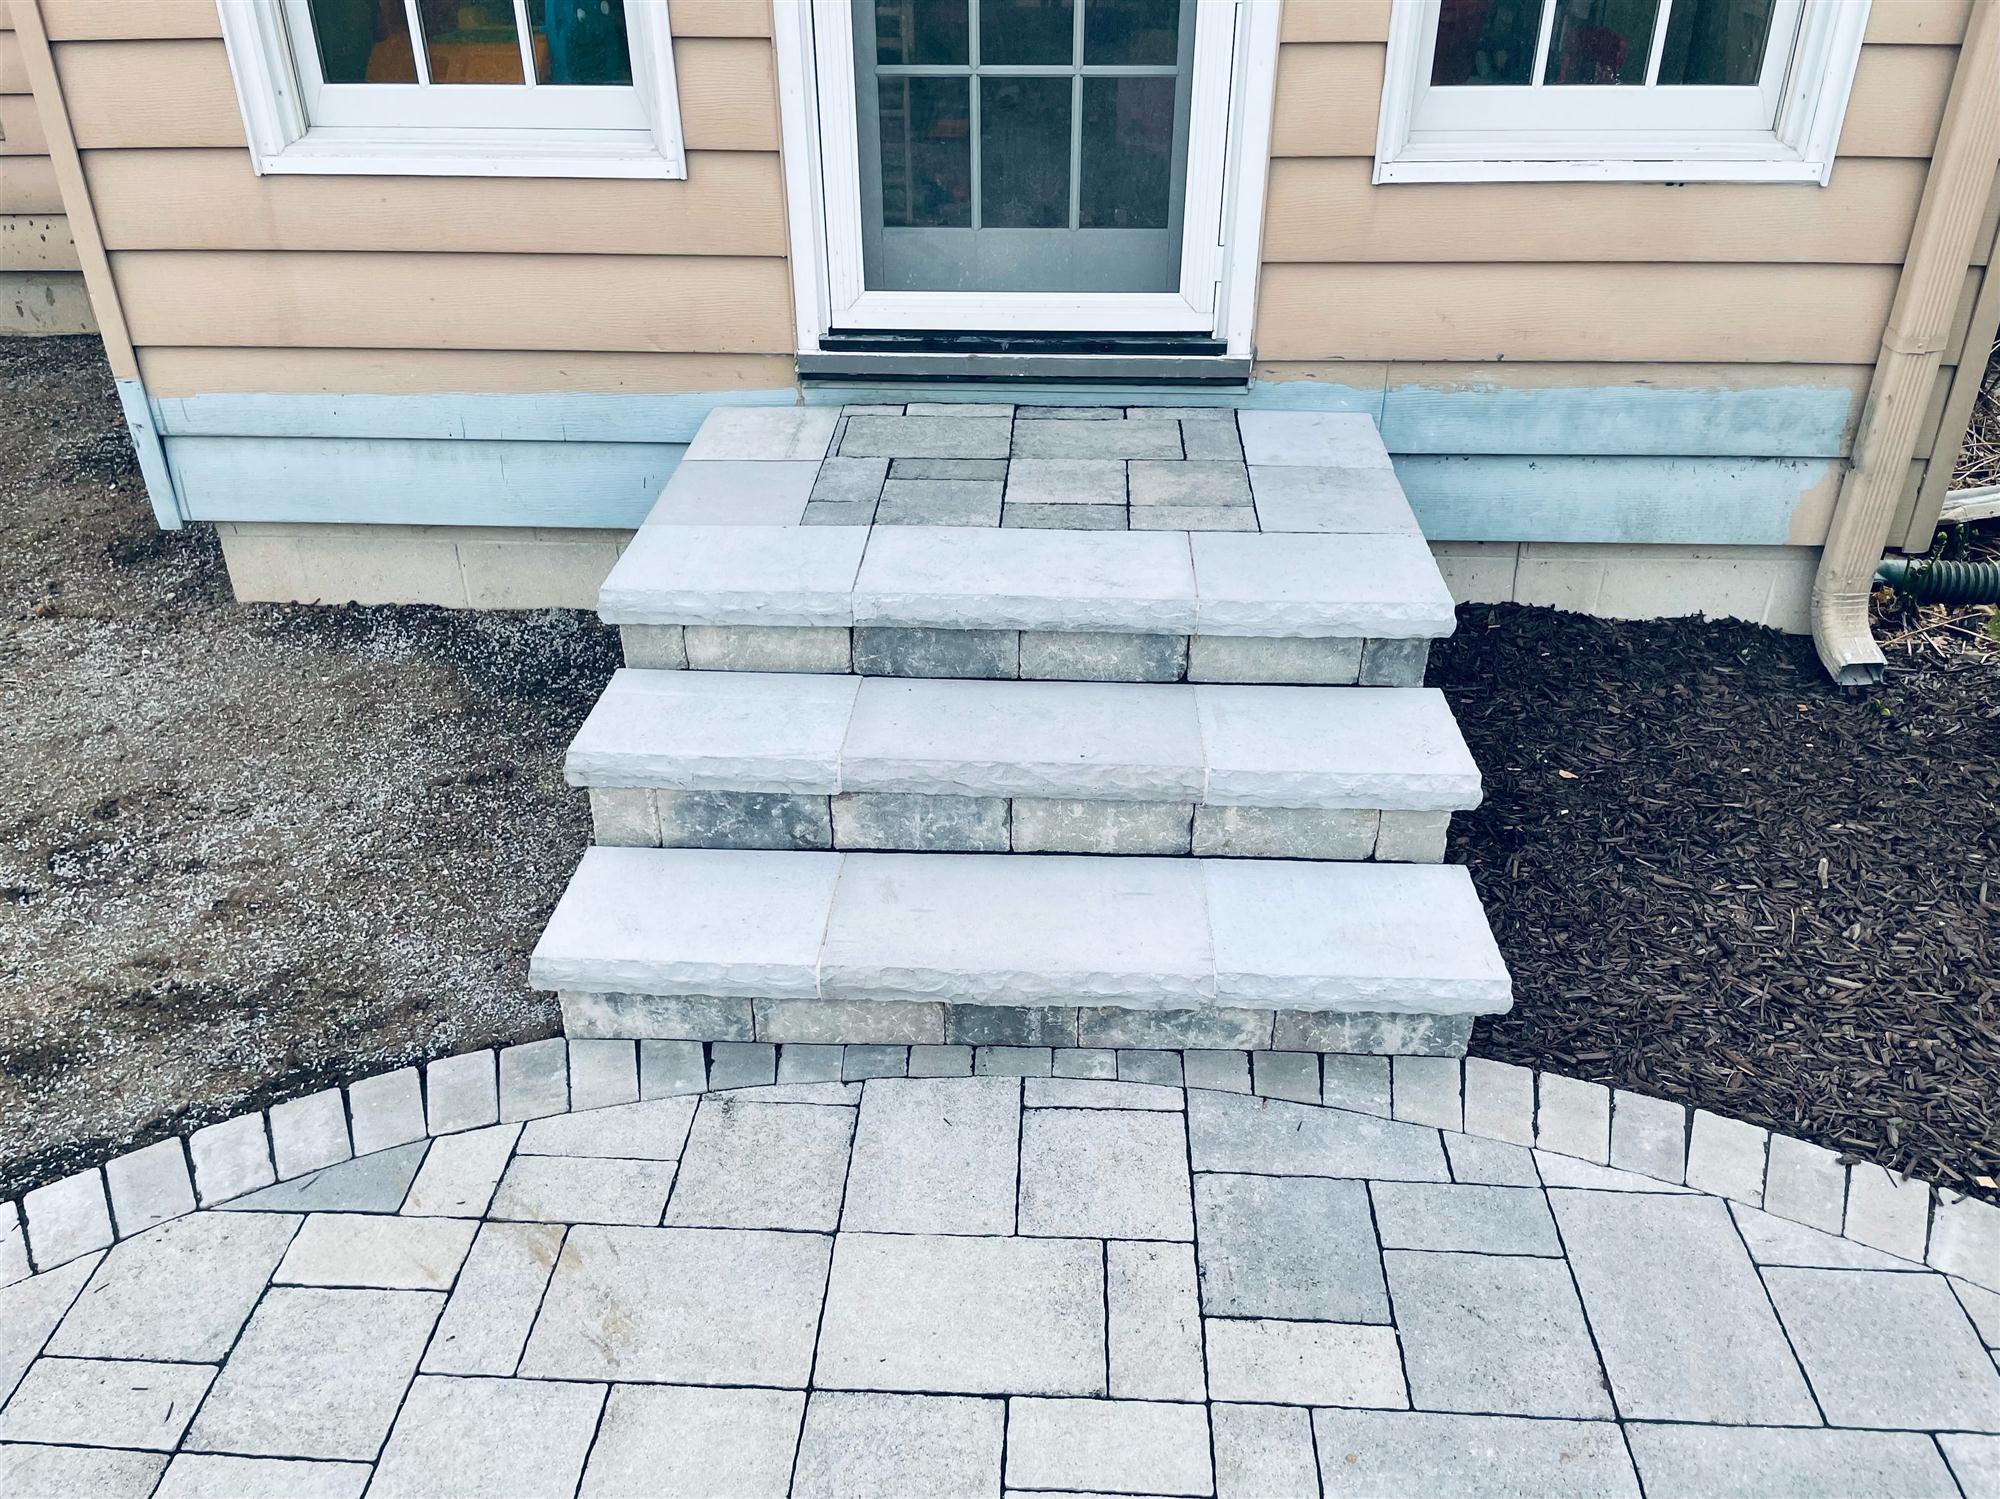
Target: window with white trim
<point>1650,90</point>
<point>578,88</point>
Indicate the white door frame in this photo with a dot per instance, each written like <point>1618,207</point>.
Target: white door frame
<point>1229,129</point>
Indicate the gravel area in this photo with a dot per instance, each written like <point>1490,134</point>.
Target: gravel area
<point>246,850</point>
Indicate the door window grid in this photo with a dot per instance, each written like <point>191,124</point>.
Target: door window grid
<point>974,69</point>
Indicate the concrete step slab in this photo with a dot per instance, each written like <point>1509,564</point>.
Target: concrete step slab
<point>1024,930</point>
<point>1218,745</point>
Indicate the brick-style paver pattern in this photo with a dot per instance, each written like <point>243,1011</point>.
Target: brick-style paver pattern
<point>1032,1271</point>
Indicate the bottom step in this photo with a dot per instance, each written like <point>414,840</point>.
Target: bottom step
<point>717,944</point>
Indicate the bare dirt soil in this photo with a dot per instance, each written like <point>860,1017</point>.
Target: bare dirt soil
<point>247,850</point>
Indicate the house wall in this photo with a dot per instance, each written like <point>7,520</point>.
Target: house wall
<point>41,289</point>
<point>1562,370</point>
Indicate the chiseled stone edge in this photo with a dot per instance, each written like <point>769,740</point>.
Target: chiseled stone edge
<point>1633,1132</point>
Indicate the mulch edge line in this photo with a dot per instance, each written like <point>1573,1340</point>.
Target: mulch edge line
<point>1958,1236</point>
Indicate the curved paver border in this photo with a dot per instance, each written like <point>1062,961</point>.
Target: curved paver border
<point>1562,1116</point>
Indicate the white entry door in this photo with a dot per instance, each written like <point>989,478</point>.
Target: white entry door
<point>1027,166</point>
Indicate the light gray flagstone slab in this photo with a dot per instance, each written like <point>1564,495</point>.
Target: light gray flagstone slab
<point>1318,586</point>
<point>672,1442</point>
<point>1134,1446</point>
<point>668,1306</point>
<point>29,1312</point>
<point>28,1468</point>
<point>690,921</point>
<point>369,1184</point>
<point>1066,481</point>
<point>363,1249</point>
<point>1492,1162</point>
<point>1064,1092</point>
<point>1567,1171</point>
<point>1136,437</point>
<point>735,575</point>
<point>317,1374</point>
<point>979,578</point>
<point>1779,1241</point>
<point>734,492</point>
<point>935,1446</point>
<point>1104,1174</point>
<point>935,1156</point>
<point>493,1305</point>
<point>762,1165</point>
<point>208,1475</point>
<point>1416,1455</point>
<point>1298,935</point>
<point>1340,439</point>
<point>489,1439</point>
<point>1229,1132</point>
<point>460,1172</point>
<point>1154,1309</point>
<point>1263,1452</point>
<point>651,1131</point>
<point>898,1316</point>
<point>1396,747</point>
<point>1708,1462</point>
<point>926,437</point>
<point>771,434</point>
<point>1116,740</point>
<point>1682,1322</point>
<point>178,1291</point>
<point>1195,483</point>
<point>1304,1363</point>
<point>986,928</point>
<point>715,731</point>
<point>569,1189</point>
<point>105,1403</point>
<point>1976,1462</point>
<point>1288,1247</point>
<point>1888,1350</point>
<point>1476,1219</point>
<point>1344,501</point>
<point>1495,1333</point>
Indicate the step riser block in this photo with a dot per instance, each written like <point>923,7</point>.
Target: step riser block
<point>657,1017</point>
<point>905,822</point>
<point>1029,655</point>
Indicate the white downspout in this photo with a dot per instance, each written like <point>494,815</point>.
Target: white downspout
<point>1961,176</point>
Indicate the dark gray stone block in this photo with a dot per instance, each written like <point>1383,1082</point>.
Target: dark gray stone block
<point>888,651</point>
<point>1210,1029</point>
<point>850,481</point>
<point>1095,656</point>
<point>1373,1034</point>
<point>911,822</point>
<point>939,502</point>
<point>1394,663</point>
<point>743,819</point>
<point>1010,1025</point>
<point>1064,517</point>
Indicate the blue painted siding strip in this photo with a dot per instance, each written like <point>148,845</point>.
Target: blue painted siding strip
<point>421,482</point>
<point>154,470</point>
<point>1688,501</point>
<point>1783,422</point>
<point>403,481</point>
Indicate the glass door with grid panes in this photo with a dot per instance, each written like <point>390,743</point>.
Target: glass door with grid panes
<point>1023,145</point>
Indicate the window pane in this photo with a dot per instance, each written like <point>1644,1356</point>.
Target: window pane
<point>1716,42</point>
<point>1600,41</point>
<point>926,153</point>
<point>1486,41</point>
<point>1024,153</point>
<point>580,41</point>
<point>920,31</point>
<point>1131,31</point>
<point>471,43</point>
<point>1012,32</point>
<point>1128,152</point>
<point>363,41</point>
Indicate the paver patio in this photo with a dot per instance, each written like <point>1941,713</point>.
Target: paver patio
<point>985,1284</point>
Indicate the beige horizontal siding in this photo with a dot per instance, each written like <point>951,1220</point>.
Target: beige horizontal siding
<point>172,371</point>
<point>732,203</point>
<point>36,242</point>
<point>122,20</point>
<point>1777,314</point>
<point>13,72</point>
<point>21,129</point>
<point>164,94</point>
<point>313,299</point>
<point>1326,209</point>
<point>1335,21</point>
<point>28,185</point>
<point>1930,23</point>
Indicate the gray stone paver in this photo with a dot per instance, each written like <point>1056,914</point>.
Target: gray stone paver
<point>334,1333</point>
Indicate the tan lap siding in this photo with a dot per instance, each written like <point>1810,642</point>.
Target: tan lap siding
<point>41,289</point>
<point>289,283</point>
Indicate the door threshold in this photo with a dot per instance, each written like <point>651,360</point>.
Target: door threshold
<point>1025,367</point>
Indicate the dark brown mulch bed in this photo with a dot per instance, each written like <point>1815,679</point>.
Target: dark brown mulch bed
<point>1720,879</point>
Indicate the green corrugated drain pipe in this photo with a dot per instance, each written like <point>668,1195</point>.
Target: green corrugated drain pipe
<point>1933,580</point>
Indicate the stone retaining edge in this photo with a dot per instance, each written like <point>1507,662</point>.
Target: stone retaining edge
<point>1614,1127</point>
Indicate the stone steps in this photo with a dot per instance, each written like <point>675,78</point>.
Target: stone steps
<point>948,601</point>
<point>728,944</point>
<point>757,760</point>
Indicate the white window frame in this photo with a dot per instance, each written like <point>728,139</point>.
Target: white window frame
<point>297,123</point>
<point>1232,89</point>
<point>1786,129</point>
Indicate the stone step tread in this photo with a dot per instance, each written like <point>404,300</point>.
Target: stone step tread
<point>1369,747</point>
<point>1025,929</point>
<point>971,578</point>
